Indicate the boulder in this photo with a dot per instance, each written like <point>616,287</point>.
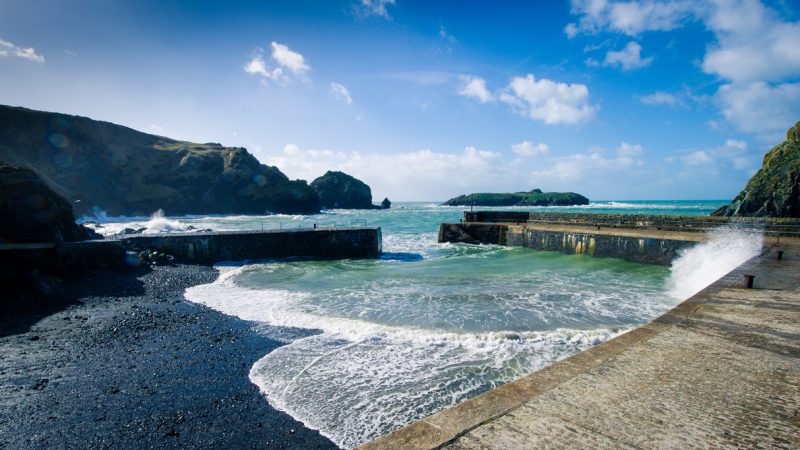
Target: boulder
<point>340,190</point>
<point>774,191</point>
<point>30,211</point>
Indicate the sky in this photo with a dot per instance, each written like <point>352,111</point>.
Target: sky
<point>423,101</point>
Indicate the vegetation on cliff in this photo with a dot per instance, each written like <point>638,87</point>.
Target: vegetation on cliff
<point>127,172</point>
<point>774,191</point>
<point>340,190</point>
<point>32,212</point>
<point>533,198</point>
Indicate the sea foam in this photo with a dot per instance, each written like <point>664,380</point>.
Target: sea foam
<point>699,266</point>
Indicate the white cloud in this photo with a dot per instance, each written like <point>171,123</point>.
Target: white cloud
<point>629,58</point>
<point>697,157</point>
<point>754,52</point>
<point>628,17</point>
<point>660,98</point>
<point>549,101</point>
<point>474,87</point>
<point>290,64</point>
<point>583,166</point>
<point>732,153</point>
<point>626,149</point>
<point>340,92</point>
<point>759,107</point>
<point>753,43</point>
<point>8,49</point>
<point>367,8</point>
<point>416,175</point>
<point>529,149</point>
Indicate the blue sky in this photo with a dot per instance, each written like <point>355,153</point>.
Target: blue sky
<point>427,100</point>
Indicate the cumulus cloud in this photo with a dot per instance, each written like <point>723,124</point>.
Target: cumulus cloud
<point>289,65</point>
<point>549,101</point>
<point>759,107</point>
<point>8,49</point>
<point>529,149</point>
<point>733,153</point>
<point>581,166</point>
<point>340,92</point>
<point>474,87</point>
<point>366,8</point>
<point>754,52</point>
<point>628,17</point>
<point>629,58</point>
<point>416,175</point>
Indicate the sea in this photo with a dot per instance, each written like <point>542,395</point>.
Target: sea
<point>372,345</point>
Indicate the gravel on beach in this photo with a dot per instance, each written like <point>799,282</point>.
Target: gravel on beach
<point>119,359</point>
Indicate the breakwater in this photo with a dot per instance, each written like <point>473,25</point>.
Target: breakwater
<point>211,247</point>
<point>718,370</point>
<point>637,238</point>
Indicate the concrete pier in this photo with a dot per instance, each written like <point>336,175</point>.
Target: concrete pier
<point>638,238</point>
<point>720,370</point>
<point>211,247</point>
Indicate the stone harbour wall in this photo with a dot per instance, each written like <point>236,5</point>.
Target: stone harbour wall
<point>208,248</point>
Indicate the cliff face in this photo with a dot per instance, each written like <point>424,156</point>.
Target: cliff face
<point>126,172</point>
<point>774,191</point>
<point>533,198</point>
<point>32,212</point>
<point>340,190</point>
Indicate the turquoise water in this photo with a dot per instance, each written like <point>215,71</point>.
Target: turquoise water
<point>428,325</point>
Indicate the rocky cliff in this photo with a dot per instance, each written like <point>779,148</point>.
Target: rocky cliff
<point>32,212</point>
<point>340,190</point>
<point>533,198</point>
<point>127,172</point>
<point>774,191</point>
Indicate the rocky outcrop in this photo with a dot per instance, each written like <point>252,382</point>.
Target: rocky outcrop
<point>32,212</point>
<point>774,191</point>
<point>533,198</point>
<point>386,204</point>
<point>127,172</point>
<point>340,190</point>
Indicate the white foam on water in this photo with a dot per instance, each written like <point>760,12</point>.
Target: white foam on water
<point>159,223</point>
<point>358,379</point>
<point>697,267</point>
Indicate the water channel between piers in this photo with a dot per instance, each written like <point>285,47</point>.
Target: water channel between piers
<point>721,369</point>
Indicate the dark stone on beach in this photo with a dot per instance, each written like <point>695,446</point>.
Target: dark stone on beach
<point>340,190</point>
<point>138,368</point>
<point>774,191</point>
<point>30,211</point>
<point>127,172</point>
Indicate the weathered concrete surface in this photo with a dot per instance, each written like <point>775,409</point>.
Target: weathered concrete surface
<point>720,370</point>
<point>638,245</point>
<point>208,248</point>
<point>772,226</point>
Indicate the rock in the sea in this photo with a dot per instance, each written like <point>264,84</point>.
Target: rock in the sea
<point>340,190</point>
<point>533,198</point>
<point>30,211</point>
<point>774,191</point>
<point>127,172</point>
<point>386,204</point>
